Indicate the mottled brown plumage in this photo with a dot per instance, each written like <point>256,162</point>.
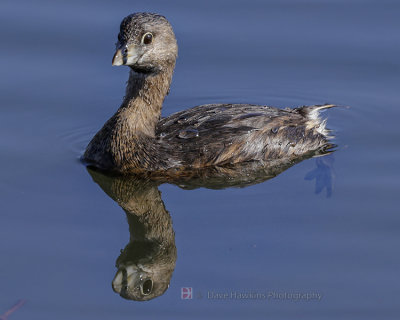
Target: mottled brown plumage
<point>135,139</point>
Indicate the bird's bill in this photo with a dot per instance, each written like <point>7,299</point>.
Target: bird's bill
<point>125,55</point>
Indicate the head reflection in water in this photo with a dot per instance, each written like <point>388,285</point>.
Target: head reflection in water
<point>146,264</point>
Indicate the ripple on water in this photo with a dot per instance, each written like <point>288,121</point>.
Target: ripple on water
<point>76,139</point>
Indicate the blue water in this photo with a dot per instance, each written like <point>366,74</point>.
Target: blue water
<point>60,234</point>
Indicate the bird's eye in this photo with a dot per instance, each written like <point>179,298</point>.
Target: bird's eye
<point>147,287</point>
<point>147,38</point>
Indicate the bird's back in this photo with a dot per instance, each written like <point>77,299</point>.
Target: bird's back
<point>218,134</point>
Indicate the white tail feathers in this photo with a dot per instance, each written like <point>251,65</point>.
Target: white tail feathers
<point>313,118</point>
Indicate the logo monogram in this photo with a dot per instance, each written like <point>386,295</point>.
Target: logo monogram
<point>186,293</point>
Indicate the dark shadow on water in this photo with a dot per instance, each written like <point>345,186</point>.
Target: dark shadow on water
<point>146,264</point>
<point>323,174</point>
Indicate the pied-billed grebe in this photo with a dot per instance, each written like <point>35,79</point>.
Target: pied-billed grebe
<point>135,139</point>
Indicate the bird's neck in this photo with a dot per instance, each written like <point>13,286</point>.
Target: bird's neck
<point>145,93</point>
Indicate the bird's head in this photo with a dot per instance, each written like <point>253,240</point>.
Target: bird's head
<point>146,43</point>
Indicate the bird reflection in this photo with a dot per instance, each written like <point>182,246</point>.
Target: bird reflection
<point>146,264</point>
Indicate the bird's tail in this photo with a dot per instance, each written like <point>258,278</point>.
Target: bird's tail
<point>312,113</point>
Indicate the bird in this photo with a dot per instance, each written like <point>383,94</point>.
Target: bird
<point>137,139</point>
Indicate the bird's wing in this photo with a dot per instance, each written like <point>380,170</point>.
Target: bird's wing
<point>227,133</point>
<point>214,119</point>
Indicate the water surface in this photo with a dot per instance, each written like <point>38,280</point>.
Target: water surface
<point>61,235</point>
